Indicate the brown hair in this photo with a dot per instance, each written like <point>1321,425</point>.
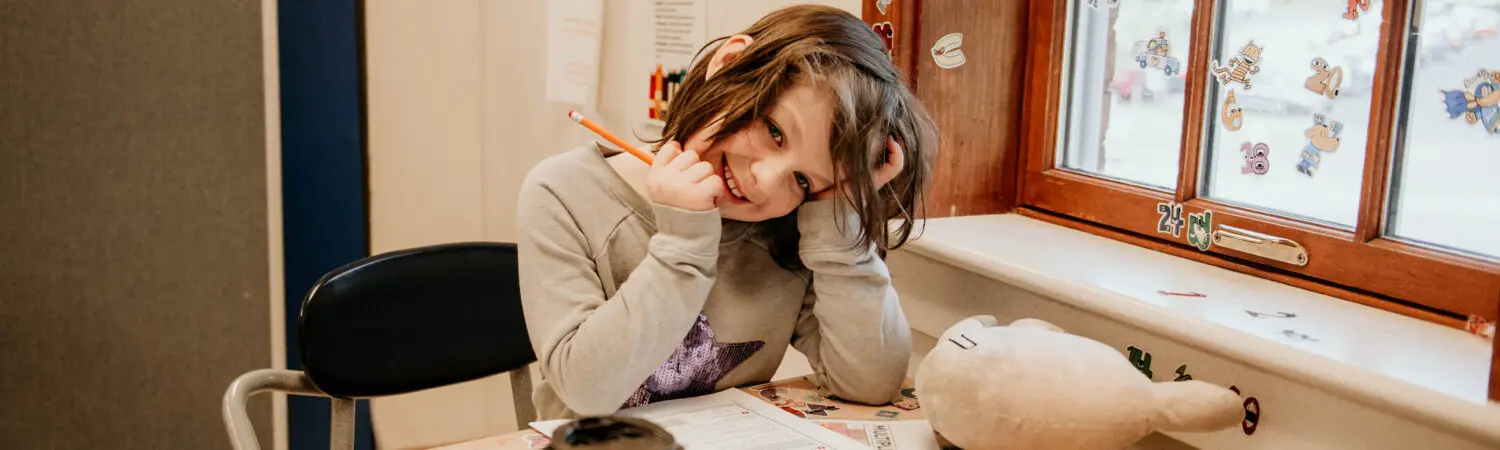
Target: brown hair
<point>830,47</point>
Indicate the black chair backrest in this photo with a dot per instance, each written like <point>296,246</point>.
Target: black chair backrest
<point>415,319</point>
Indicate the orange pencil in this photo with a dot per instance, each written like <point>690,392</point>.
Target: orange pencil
<point>578,117</point>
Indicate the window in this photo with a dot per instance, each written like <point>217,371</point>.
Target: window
<point>1353,150</point>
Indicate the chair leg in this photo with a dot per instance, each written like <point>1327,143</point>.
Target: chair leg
<point>341,425</point>
<point>520,396</point>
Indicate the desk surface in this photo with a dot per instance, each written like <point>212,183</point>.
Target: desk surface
<point>798,396</point>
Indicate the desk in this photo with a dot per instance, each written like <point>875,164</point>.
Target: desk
<point>798,396</point>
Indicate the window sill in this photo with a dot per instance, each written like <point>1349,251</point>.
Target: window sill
<point>1397,371</point>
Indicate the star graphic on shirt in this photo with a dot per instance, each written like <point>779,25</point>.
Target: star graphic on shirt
<point>694,368</point>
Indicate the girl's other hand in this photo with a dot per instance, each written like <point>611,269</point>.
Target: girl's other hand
<point>679,179</point>
<point>893,163</point>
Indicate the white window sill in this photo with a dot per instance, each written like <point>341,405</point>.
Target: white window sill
<point>1413,372</point>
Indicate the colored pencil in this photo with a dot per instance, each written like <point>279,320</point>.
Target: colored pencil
<point>578,117</point>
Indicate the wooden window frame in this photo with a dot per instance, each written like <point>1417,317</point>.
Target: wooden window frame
<point>1360,265</point>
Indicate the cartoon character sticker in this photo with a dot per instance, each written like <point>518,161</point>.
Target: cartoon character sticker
<point>1257,158</point>
<point>1322,138</point>
<point>1141,360</point>
<point>1111,4</point>
<point>1478,102</point>
<point>1241,67</point>
<point>1325,80</point>
<point>1252,416</point>
<point>887,33</point>
<point>1200,227</point>
<point>1171,219</point>
<point>1154,53</point>
<point>948,52</point>
<point>882,4</point>
<point>1182,374</point>
<point>1230,113</point>
<point>1352,13</point>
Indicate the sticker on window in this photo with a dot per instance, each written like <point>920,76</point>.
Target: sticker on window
<point>1478,102</point>
<point>1241,67</point>
<point>1171,219</point>
<point>1257,158</point>
<point>1352,12</point>
<point>1155,53</point>
<point>887,34</point>
<point>1322,137</point>
<point>948,52</point>
<point>1325,80</point>
<point>1230,113</point>
<point>1200,230</point>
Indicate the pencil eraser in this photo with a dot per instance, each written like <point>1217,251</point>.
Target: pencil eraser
<point>575,116</point>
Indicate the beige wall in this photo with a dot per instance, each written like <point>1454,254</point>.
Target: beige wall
<point>457,117</point>
<point>133,221</point>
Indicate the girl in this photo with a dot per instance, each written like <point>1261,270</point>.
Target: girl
<point>799,143</point>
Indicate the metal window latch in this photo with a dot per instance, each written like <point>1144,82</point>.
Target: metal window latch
<point>1261,244</point>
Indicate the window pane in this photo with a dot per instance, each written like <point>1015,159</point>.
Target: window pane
<point>1125,95</point>
<point>1445,187</point>
<point>1292,137</point>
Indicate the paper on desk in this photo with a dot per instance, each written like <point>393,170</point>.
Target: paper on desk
<point>731,420</point>
<point>886,435</point>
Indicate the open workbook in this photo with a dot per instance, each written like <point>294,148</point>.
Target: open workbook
<point>731,420</point>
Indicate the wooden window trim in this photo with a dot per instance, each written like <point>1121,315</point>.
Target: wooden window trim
<point>1360,263</point>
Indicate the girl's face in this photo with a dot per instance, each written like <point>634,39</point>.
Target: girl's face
<point>773,165</point>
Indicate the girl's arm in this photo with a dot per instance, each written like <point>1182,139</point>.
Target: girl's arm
<point>595,351</point>
<point>851,327</point>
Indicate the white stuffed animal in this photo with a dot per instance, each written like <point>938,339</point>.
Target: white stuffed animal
<point>1033,386</point>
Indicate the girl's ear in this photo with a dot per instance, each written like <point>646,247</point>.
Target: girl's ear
<point>731,49</point>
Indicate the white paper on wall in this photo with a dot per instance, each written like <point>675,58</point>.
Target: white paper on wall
<point>679,30</point>
<point>575,29</point>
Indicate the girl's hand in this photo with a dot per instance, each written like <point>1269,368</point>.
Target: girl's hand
<point>895,161</point>
<point>677,178</point>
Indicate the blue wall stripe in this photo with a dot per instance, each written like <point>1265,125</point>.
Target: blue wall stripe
<point>324,197</point>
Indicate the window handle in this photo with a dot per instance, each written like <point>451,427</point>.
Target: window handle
<point>1261,244</point>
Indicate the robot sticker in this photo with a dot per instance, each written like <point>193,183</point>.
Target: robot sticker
<point>1200,229</point>
<point>1325,80</point>
<point>1241,67</point>
<point>1111,4</point>
<point>1155,53</point>
<point>1257,158</point>
<point>1355,6</point>
<point>1478,102</point>
<point>1322,137</point>
<point>1230,113</point>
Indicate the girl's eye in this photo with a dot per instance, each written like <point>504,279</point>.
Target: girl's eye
<point>775,132</point>
<point>802,182</point>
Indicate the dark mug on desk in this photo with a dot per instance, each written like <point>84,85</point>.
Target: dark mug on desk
<point>610,433</point>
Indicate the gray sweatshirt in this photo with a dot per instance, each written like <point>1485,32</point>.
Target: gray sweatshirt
<point>630,302</point>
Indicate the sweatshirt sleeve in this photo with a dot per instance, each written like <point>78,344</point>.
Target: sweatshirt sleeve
<point>851,326</point>
<point>595,351</point>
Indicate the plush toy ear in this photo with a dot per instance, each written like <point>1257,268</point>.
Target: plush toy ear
<point>969,325</point>
<point>1196,406</point>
